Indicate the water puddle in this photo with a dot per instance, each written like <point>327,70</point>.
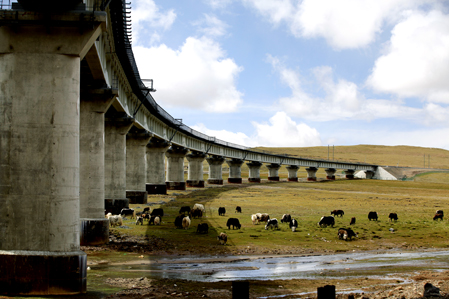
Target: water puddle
<point>211,269</point>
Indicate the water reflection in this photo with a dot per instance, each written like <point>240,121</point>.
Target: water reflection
<point>270,268</point>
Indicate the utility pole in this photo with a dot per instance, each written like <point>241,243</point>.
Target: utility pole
<point>328,152</point>
<point>333,152</point>
<point>428,161</point>
<point>424,160</point>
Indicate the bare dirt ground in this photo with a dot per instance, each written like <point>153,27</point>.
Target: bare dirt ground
<point>403,286</point>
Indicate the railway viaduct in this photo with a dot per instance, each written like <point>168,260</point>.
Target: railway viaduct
<point>80,133</point>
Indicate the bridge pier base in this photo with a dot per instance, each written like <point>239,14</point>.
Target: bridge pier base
<point>42,273</point>
<point>40,159</point>
<point>369,174</point>
<point>94,231</point>
<point>136,172</point>
<point>292,173</point>
<point>330,173</point>
<point>175,168</point>
<point>273,172</point>
<point>215,170</point>
<point>349,174</point>
<point>94,228</point>
<point>235,171</point>
<point>311,173</point>
<point>137,196</point>
<point>155,152</point>
<point>116,128</point>
<point>195,173</point>
<point>254,171</point>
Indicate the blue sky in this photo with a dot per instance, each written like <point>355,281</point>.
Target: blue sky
<point>291,73</point>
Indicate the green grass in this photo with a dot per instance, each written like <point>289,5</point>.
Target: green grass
<point>414,202</point>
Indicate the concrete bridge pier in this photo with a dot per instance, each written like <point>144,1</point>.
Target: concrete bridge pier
<point>175,168</point>
<point>292,173</point>
<point>350,173</point>
<point>273,172</point>
<point>254,171</point>
<point>155,152</point>
<point>136,162</point>
<point>116,128</point>
<point>39,152</point>
<point>235,171</point>
<point>94,229</point>
<point>369,174</point>
<point>330,173</point>
<point>195,173</point>
<point>215,170</point>
<point>311,173</point>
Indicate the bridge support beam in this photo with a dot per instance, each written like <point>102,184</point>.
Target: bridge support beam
<point>175,168</point>
<point>116,129</point>
<point>155,169</point>
<point>215,170</point>
<point>254,171</point>
<point>311,173</point>
<point>136,162</point>
<point>94,103</point>
<point>273,172</point>
<point>235,171</point>
<point>350,173</point>
<point>195,173</point>
<point>330,173</point>
<point>39,162</point>
<point>292,173</point>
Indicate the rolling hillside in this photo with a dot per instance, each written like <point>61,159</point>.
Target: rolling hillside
<point>403,156</point>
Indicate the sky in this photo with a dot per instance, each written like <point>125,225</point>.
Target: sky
<point>299,73</point>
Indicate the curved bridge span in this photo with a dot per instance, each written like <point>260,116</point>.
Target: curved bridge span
<point>80,133</point>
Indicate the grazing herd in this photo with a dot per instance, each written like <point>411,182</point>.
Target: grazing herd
<point>183,220</point>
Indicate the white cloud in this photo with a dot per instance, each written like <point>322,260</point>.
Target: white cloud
<point>198,75</point>
<point>282,131</point>
<point>146,14</point>
<point>279,131</point>
<point>344,23</point>
<point>342,99</point>
<point>211,26</point>
<point>416,60</point>
<point>218,4</point>
<point>236,138</point>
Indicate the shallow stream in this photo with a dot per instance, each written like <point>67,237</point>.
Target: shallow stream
<point>219,268</point>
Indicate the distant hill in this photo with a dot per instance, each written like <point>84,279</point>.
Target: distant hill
<point>403,156</point>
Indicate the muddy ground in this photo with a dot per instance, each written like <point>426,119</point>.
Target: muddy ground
<point>404,285</point>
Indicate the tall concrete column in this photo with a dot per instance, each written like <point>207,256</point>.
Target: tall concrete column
<point>175,168</point>
<point>195,172</point>
<point>235,171</point>
<point>136,162</point>
<point>311,173</point>
<point>273,172</point>
<point>39,151</point>
<point>350,173</point>
<point>94,104</point>
<point>155,151</point>
<point>369,174</point>
<point>330,173</point>
<point>254,171</point>
<point>215,170</point>
<point>116,128</point>
<point>292,173</point>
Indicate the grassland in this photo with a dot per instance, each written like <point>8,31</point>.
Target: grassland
<point>414,202</point>
<point>403,156</point>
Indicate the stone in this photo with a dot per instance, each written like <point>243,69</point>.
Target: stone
<point>431,290</point>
